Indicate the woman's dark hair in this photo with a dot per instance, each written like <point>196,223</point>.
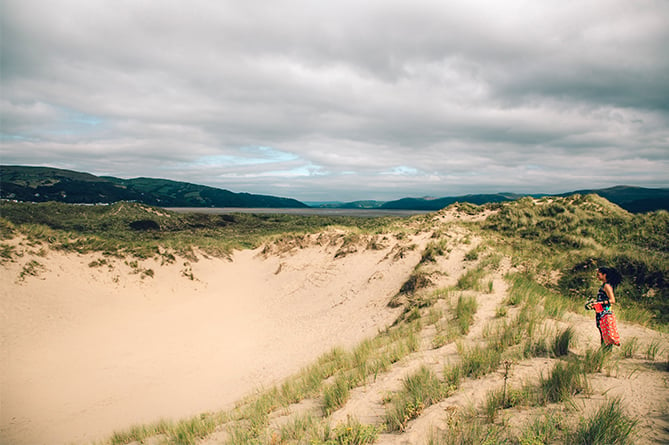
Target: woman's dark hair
<point>612,276</point>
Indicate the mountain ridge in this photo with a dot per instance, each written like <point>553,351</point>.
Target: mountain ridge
<point>40,184</point>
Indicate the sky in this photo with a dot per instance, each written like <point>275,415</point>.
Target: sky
<point>341,100</point>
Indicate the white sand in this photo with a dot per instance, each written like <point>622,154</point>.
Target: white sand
<point>91,350</point>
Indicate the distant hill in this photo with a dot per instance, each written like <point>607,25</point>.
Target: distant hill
<point>632,199</point>
<point>440,203</point>
<point>41,184</point>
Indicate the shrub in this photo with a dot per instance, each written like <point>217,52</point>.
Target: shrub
<point>144,225</point>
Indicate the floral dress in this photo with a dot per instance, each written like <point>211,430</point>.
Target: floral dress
<point>606,321</point>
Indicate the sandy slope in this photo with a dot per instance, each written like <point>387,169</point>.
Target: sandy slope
<point>642,383</point>
<point>88,350</point>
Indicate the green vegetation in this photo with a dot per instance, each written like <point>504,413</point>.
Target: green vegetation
<point>563,382</point>
<point>32,268</point>
<point>464,312</point>
<point>350,433</point>
<point>628,348</point>
<point>434,250</point>
<point>654,348</point>
<point>609,425</point>
<point>561,343</point>
<point>573,236</point>
<point>42,184</point>
<point>420,390</point>
<point>130,229</point>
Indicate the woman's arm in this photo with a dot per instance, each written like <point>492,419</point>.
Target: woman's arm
<point>609,293</point>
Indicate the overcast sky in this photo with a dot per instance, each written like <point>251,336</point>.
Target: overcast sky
<point>341,100</point>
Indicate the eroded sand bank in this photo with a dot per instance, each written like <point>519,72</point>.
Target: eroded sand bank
<point>88,350</point>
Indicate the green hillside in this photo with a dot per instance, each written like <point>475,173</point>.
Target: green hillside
<point>43,184</point>
<point>570,237</point>
<point>632,199</point>
<point>440,203</point>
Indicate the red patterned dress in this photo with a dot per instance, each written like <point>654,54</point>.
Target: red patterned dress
<point>606,321</point>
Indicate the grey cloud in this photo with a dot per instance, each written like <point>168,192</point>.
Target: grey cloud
<point>389,98</point>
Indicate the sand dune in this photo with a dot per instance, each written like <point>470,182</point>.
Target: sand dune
<point>91,349</point>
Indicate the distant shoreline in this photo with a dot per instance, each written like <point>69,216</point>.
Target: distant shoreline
<point>311,211</point>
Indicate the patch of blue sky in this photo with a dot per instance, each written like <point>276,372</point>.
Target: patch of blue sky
<point>270,153</point>
<point>402,170</point>
<point>15,137</point>
<point>297,172</point>
<point>248,156</point>
<point>71,122</point>
<point>86,120</point>
<point>70,115</point>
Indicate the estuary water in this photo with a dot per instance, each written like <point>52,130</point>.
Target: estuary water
<point>368,213</point>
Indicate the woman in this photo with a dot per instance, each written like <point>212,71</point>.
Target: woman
<point>606,321</point>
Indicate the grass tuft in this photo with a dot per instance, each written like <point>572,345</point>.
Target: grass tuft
<point>595,360</point>
<point>479,360</point>
<point>629,348</point>
<point>560,346</point>
<point>468,429</point>
<point>563,382</point>
<point>544,429</point>
<point>190,431</point>
<point>336,394</point>
<point>653,349</point>
<point>419,391</point>
<point>608,426</point>
<point>464,312</point>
